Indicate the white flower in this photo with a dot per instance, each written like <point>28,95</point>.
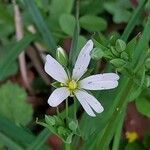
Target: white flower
<point>72,85</point>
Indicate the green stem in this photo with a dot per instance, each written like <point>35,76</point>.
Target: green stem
<point>122,101</point>
<point>67,112</point>
<point>75,108</point>
<point>119,130</point>
<point>67,146</point>
<point>57,109</point>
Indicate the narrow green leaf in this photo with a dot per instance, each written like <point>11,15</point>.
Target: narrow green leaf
<point>133,20</point>
<point>13,54</point>
<point>122,100</point>
<point>73,51</point>
<point>143,106</point>
<point>142,46</point>
<point>40,140</point>
<point>10,143</point>
<point>42,27</point>
<point>10,129</point>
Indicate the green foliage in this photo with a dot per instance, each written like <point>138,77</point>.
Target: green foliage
<point>120,45</point>
<point>93,23</point>
<point>67,23</point>
<point>91,7</point>
<point>41,25</point>
<point>143,106</point>
<point>8,128</point>
<point>54,22</point>
<point>119,10</point>
<point>134,145</point>
<point>63,129</point>
<point>12,55</point>
<point>57,7</point>
<point>14,105</point>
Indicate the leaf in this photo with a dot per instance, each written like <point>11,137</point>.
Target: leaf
<point>97,124</point>
<point>91,7</point>
<point>58,7</point>
<point>131,24</point>
<point>73,51</point>
<point>14,105</point>
<point>67,23</point>
<point>13,53</point>
<point>41,25</point>
<point>93,23</point>
<point>118,62</point>
<point>10,143</point>
<point>143,106</point>
<point>11,70</point>
<point>134,145</point>
<point>119,11</point>
<point>120,45</point>
<point>142,46</point>
<point>97,53</point>
<point>8,128</point>
<point>40,140</point>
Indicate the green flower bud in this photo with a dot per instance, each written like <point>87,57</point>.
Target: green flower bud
<point>118,63</point>
<point>50,120</point>
<point>114,52</point>
<point>61,56</point>
<point>120,45</point>
<point>147,63</point>
<point>147,80</point>
<point>73,125</point>
<point>97,53</point>
<point>124,56</point>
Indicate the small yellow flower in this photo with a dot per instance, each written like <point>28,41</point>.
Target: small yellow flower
<point>132,136</point>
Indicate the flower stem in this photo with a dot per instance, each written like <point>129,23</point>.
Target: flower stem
<point>67,113</point>
<point>67,146</point>
<point>75,108</point>
<point>57,109</point>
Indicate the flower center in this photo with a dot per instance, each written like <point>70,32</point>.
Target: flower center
<point>72,85</point>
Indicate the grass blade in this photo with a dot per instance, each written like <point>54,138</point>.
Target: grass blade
<point>73,51</point>
<point>10,129</point>
<point>133,20</point>
<point>13,54</point>
<point>10,143</point>
<point>41,25</point>
<point>40,140</point>
<point>122,97</point>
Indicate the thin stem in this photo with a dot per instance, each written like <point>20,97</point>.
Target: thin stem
<point>77,9</point>
<point>67,113</point>
<point>57,109</point>
<point>67,146</point>
<point>119,129</point>
<point>75,108</point>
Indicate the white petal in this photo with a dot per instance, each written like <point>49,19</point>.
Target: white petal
<point>100,82</point>
<point>55,70</point>
<point>83,61</point>
<point>84,104</point>
<point>58,96</point>
<point>89,100</point>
